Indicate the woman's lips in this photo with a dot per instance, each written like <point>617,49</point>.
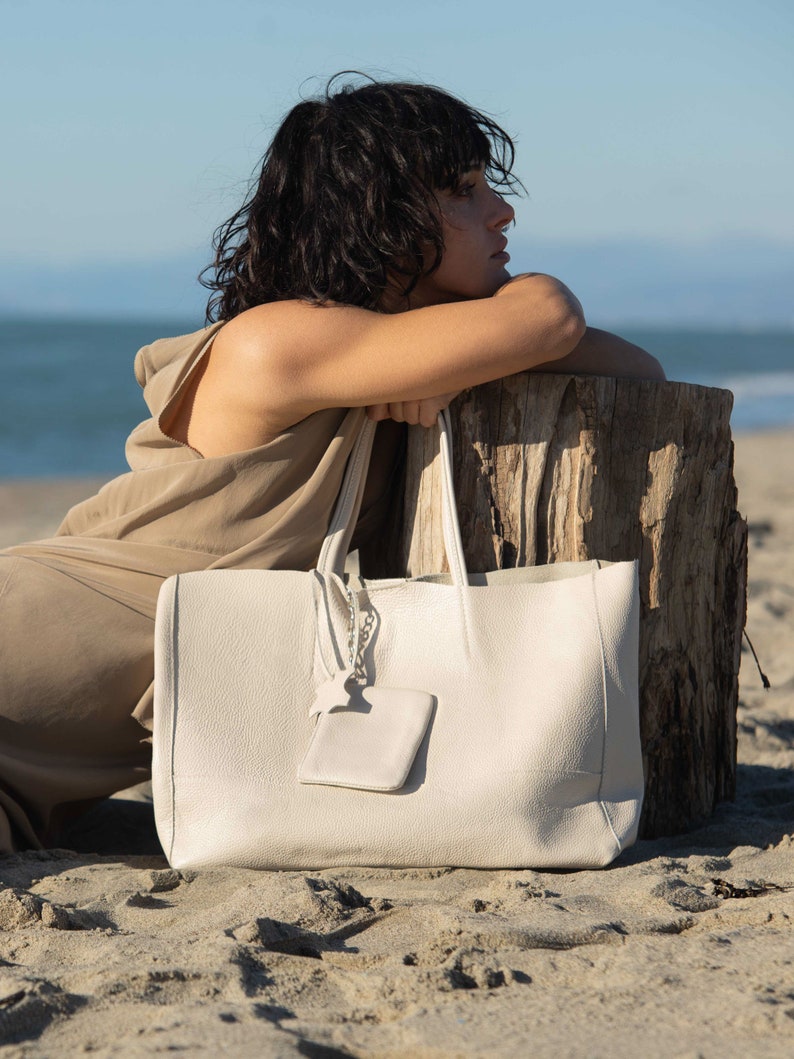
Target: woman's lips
<point>501,254</point>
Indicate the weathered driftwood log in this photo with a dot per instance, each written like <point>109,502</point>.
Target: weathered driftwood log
<point>551,468</point>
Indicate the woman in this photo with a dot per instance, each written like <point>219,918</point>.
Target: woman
<point>365,275</point>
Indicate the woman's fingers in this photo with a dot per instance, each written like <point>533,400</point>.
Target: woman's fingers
<point>377,412</point>
<point>404,411</point>
<point>417,413</point>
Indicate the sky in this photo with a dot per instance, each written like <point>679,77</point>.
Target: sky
<point>134,127</point>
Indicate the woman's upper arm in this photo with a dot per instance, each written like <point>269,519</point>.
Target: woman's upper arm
<point>308,357</point>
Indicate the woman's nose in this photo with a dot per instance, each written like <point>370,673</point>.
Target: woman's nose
<point>503,212</point>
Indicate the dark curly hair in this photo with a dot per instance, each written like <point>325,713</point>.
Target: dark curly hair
<point>346,197</point>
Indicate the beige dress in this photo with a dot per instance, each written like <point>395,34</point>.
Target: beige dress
<point>77,611</point>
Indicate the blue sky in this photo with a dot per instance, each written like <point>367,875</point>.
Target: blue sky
<point>134,127</point>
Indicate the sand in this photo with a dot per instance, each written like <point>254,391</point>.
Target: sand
<point>683,948</point>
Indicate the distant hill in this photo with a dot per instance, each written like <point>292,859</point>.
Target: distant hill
<point>733,282</point>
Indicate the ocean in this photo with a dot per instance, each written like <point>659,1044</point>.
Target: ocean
<point>68,396</point>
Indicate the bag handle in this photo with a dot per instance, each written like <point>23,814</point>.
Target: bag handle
<point>340,531</point>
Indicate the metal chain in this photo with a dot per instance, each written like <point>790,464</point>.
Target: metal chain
<point>351,640</point>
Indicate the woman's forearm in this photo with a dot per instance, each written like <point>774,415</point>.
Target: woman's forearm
<point>597,353</point>
<point>602,353</point>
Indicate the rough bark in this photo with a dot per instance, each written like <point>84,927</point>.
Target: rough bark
<point>551,468</point>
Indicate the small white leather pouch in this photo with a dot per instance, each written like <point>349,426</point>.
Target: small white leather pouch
<point>369,743</point>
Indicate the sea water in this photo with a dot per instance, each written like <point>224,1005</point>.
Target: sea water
<point>68,396</point>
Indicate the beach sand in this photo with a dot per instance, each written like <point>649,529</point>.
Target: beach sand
<point>683,948</point>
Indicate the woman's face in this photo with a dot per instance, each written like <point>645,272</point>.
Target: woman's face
<point>474,261</point>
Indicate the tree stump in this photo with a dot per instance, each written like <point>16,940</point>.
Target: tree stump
<point>550,468</point>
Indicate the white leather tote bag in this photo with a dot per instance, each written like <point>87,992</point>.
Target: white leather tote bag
<point>316,719</point>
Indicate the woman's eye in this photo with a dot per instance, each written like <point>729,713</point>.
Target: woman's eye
<point>465,190</point>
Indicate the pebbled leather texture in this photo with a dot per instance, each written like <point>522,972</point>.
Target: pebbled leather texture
<point>531,757</point>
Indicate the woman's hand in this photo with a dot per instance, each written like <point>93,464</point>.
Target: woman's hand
<point>418,413</point>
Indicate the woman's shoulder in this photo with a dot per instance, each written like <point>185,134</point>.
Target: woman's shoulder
<point>225,395</point>
<point>274,328</point>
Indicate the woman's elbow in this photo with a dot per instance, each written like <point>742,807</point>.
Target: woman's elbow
<point>551,316</point>
<point>572,327</point>
<point>566,328</point>
<point>567,322</point>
